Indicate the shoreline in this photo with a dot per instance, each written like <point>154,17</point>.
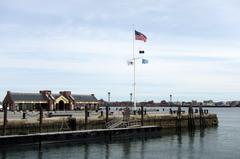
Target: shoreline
<point>172,106</point>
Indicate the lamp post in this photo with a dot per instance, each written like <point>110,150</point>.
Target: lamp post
<point>131,97</point>
<point>109,93</point>
<point>107,106</point>
<point>170,100</point>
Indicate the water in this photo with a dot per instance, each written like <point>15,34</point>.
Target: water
<point>221,142</point>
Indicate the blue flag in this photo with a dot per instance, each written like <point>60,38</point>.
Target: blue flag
<point>144,61</point>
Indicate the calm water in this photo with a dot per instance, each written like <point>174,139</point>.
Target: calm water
<point>222,142</point>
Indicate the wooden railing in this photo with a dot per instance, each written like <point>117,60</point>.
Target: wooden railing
<point>119,123</point>
<point>112,122</point>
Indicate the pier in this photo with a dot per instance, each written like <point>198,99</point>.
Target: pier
<point>76,135</point>
<point>58,128</point>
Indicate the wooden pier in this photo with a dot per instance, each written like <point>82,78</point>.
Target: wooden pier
<point>79,135</point>
<point>86,127</point>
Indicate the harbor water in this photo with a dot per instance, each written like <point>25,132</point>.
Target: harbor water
<point>220,142</point>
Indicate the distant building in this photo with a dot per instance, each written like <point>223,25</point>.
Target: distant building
<point>186,104</point>
<point>233,103</point>
<point>194,103</point>
<point>208,103</point>
<point>177,103</point>
<point>164,103</point>
<point>48,101</point>
<point>220,104</point>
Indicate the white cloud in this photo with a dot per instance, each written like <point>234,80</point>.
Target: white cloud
<point>193,47</point>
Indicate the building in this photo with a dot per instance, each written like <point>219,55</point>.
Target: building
<point>64,100</point>
<point>194,103</point>
<point>208,103</point>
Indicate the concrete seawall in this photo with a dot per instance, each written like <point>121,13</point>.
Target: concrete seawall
<point>72,129</point>
<point>23,127</point>
<point>172,121</point>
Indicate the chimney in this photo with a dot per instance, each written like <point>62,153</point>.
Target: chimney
<point>65,93</point>
<point>45,92</point>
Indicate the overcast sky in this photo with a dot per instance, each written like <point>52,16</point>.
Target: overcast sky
<point>193,48</point>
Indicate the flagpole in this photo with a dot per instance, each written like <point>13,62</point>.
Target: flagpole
<point>134,72</point>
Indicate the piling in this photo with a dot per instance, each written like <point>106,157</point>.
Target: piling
<point>40,119</point>
<point>141,115</point>
<point>202,119</point>
<point>178,121</point>
<point>191,123</point>
<point>170,111</point>
<point>107,112</point>
<point>86,117</point>
<point>40,128</point>
<point>4,120</point>
<point>24,115</point>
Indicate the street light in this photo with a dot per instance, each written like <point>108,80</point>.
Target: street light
<point>109,93</point>
<point>170,100</point>
<point>131,97</point>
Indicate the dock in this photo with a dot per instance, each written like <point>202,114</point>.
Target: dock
<point>88,127</point>
<point>79,135</point>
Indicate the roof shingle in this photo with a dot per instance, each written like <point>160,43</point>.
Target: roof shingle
<point>27,97</point>
<point>85,98</point>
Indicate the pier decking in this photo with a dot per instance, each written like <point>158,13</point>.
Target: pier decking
<point>75,135</point>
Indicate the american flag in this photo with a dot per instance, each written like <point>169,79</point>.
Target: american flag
<point>140,36</point>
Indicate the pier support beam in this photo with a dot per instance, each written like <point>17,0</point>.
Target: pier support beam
<point>191,123</point>
<point>86,117</point>
<point>107,112</point>
<point>40,129</point>
<point>141,115</point>
<point>201,118</point>
<point>40,119</point>
<point>4,119</point>
<point>178,121</point>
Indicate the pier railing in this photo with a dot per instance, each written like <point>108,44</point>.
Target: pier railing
<point>119,123</point>
<point>112,122</point>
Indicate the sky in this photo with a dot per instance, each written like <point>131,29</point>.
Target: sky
<point>193,48</point>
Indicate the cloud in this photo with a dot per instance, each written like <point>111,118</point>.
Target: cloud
<point>193,47</point>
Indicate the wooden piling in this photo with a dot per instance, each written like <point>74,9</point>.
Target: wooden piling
<point>201,118</point>
<point>178,121</point>
<point>40,128</point>
<point>40,119</point>
<point>141,115</point>
<point>191,122</point>
<point>4,119</point>
<point>107,110</point>
<point>86,117</point>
